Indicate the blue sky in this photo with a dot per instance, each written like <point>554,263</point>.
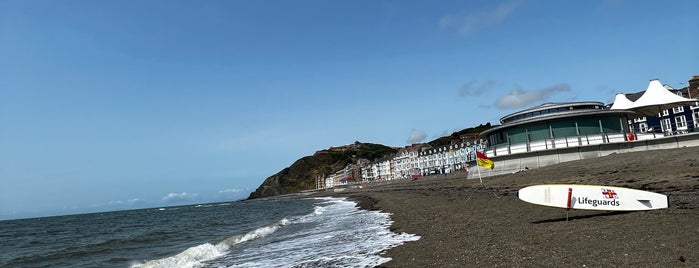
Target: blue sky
<point>108,105</point>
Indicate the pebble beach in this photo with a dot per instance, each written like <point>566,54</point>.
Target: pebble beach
<point>466,223</point>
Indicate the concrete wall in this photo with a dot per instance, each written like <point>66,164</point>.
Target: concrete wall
<point>515,162</point>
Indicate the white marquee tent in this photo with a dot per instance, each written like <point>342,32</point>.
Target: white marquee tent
<point>654,100</point>
<point>621,102</point>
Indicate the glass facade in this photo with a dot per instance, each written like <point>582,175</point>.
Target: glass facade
<point>554,121</point>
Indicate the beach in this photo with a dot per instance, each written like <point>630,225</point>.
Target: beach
<point>466,223</point>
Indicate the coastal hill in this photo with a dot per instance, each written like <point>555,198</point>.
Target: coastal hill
<point>467,134</point>
<point>302,174</point>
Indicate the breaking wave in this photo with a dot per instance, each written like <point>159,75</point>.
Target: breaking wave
<point>197,255</point>
<point>336,233</point>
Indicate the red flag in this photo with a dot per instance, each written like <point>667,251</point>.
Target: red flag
<point>484,161</point>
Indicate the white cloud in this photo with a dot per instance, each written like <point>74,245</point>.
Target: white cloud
<point>127,202</point>
<point>469,22</point>
<point>518,98</point>
<point>230,191</point>
<point>179,196</point>
<point>416,136</point>
<point>472,89</point>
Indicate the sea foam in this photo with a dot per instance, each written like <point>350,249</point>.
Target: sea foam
<point>334,234</point>
<point>197,255</point>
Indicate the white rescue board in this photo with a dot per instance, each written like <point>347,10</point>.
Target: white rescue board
<point>592,197</point>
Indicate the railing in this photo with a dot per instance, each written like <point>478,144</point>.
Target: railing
<point>582,140</point>
<point>657,130</point>
<point>557,143</point>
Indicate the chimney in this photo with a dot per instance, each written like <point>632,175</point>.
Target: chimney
<point>693,87</point>
<point>694,83</point>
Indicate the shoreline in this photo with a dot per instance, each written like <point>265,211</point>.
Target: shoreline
<point>465,223</point>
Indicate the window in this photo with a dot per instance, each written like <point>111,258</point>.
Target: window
<point>666,113</point>
<point>678,109</point>
<point>666,124</point>
<point>642,119</point>
<point>681,121</point>
<point>642,127</point>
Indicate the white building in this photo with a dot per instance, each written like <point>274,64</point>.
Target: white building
<point>406,162</point>
<point>448,158</point>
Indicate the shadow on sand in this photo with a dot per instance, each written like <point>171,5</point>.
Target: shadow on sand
<point>611,213</point>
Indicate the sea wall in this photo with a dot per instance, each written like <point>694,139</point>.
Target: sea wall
<point>527,160</point>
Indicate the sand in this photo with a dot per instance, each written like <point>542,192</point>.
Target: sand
<point>463,223</point>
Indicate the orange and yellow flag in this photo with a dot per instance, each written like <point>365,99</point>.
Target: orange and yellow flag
<point>484,161</point>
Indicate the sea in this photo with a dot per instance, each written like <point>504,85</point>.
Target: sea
<point>310,232</point>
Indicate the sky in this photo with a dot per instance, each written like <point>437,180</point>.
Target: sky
<point>111,105</point>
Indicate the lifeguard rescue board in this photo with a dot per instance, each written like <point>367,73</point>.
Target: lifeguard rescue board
<point>592,197</point>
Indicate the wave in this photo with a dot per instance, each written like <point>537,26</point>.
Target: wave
<point>335,233</point>
<point>327,201</point>
<point>191,257</point>
<point>197,255</point>
<point>255,234</point>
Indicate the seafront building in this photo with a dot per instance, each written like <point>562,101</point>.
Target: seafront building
<point>557,125</point>
<point>406,160</point>
<point>448,158</point>
<point>410,162</point>
<point>384,169</point>
<point>677,120</point>
<point>350,174</point>
<point>554,133</point>
<point>550,133</point>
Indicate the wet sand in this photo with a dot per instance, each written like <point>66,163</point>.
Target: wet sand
<point>463,223</point>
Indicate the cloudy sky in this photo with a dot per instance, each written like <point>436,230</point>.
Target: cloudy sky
<point>108,105</point>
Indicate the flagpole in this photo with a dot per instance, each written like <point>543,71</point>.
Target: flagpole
<point>479,172</point>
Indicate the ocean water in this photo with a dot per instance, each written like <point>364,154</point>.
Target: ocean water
<point>320,232</point>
